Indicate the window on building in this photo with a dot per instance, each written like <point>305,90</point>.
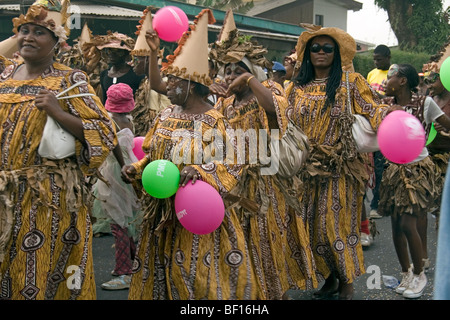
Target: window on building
<point>319,20</point>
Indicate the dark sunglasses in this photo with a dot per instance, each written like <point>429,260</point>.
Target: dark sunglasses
<point>327,48</point>
<point>431,78</point>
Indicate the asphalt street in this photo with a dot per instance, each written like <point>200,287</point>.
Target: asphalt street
<point>380,259</point>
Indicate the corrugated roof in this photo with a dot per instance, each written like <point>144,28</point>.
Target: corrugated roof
<point>87,9</point>
<point>105,10</point>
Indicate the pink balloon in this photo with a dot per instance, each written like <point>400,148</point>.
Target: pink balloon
<point>199,207</point>
<point>170,23</point>
<point>401,137</point>
<point>137,150</point>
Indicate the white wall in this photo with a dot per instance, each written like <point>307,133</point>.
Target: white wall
<point>334,15</point>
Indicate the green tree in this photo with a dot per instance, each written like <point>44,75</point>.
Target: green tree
<point>238,6</point>
<point>419,25</point>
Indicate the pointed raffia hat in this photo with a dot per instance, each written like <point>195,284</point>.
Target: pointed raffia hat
<point>436,61</point>
<point>190,59</point>
<point>141,48</point>
<point>86,35</point>
<point>228,26</point>
<point>50,14</point>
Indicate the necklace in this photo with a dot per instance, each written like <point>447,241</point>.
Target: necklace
<point>320,80</point>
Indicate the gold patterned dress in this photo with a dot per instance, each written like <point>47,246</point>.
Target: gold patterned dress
<point>45,229</point>
<point>275,231</point>
<point>171,262</point>
<point>334,184</point>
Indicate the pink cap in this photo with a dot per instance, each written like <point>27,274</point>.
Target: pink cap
<point>120,98</point>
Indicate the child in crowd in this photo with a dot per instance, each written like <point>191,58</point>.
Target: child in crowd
<point>116,201</point>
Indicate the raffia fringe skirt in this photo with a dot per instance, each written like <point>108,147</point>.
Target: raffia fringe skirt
<point>410,189</point>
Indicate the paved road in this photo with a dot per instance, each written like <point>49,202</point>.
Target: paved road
<point>381,256</point>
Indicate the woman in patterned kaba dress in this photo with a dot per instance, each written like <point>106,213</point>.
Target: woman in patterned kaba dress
<point>336,174</point>
<point>171,262</point>
<point>45,229</point>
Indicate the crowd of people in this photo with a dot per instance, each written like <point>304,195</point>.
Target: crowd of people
<point>289,229</point>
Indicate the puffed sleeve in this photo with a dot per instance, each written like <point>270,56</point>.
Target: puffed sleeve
<point>281,104</point>
<point>99,133</point>
<point>365,101</point>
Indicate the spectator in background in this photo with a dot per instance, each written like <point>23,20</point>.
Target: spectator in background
<point>377,80</point>
<point>290,63</point>
<point>377,77</point>
<point>278,73</point>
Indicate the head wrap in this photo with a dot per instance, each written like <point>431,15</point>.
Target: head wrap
<point>50,14</point>
<point>114,40</point>
<point>120,98</point>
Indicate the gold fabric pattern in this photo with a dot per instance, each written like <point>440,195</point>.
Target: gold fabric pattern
<point>45,226</point>
<point>334,184</point>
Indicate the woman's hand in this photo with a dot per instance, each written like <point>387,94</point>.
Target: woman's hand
<point>128,174</point>
<point>188,173</point>
<point>47,101</point>
<point>153,40</point>
<point>218,89</point>
<point>240,84</point>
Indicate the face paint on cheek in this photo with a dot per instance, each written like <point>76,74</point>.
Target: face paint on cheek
<point>178,91</point>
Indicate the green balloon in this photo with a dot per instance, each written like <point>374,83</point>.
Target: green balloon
<point>161,179</point>
<point>444,73</point>
<point>432,134</point>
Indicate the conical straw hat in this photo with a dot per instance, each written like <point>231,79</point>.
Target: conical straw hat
<point>141,48</point>
<point>86,35</point>
<point>190,59</point>
<point>228,26</point>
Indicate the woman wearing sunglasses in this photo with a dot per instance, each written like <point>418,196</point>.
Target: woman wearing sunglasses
<point>410,190</point>
<point>336,174</point>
